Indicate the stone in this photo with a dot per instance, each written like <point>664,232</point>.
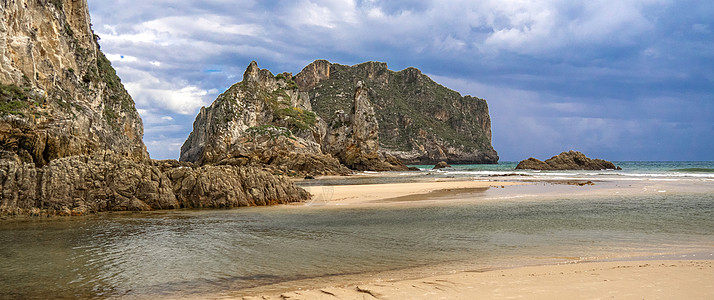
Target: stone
<point>571,160</point>
<point>440,165</point>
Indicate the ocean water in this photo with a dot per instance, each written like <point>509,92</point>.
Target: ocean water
<point>188,253</point>
<point>630,170</point>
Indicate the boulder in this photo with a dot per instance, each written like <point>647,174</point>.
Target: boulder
<point>442,164</point>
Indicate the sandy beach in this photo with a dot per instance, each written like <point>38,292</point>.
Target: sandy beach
<point>672,277</point>
<point>654,279</point>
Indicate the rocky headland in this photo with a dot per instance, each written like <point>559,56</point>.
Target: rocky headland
<point>266,121</point>
<point>571,160</point>
<point>71,138</point>
<point>420,121</point>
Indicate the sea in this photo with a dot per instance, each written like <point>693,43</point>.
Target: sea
<point>666,211</point>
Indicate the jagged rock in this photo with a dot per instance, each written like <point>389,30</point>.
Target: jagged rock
<point>229,186</point>
<point>262,121</point>
<point>420,121</point>
<point>571,160</point>
<point>71,138</point>
<point>354,138</point>
<point>84,184</point>
<point>60,95</point>
<point>441,165</point>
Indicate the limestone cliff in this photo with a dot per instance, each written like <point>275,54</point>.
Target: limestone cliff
<point>420,121</point>
<point>354,138</point>
<point>71,138</point>
<point>261,121</point>
<point>60,96</point>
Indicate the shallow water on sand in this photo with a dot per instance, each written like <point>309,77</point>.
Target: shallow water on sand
<point>184,253</point>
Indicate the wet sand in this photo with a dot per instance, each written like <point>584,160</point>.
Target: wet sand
<point>647,279</point>
<point>655,279</point>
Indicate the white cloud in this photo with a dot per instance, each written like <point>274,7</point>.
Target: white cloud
<point>181,100</point>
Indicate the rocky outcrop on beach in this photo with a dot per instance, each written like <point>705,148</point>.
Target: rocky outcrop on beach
<point>71,138</point>
<point>83,184</point>
<point>571,160</point>
<point>420,121</point>
<point>266,121</point>
<point>228,186</point>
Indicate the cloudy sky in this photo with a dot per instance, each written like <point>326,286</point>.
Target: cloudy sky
<point>619,80</point>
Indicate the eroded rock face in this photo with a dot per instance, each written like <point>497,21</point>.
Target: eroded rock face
<point>571,160</point>
<point>420,121</point>
<point>67,99</point>
<point>228,186</point>
<point>71,138</point>
<point>262,121</point>
<point>79,185</point>
<point>354,138</point>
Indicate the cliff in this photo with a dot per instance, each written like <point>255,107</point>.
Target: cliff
<point>420,121</point>
<point>60,96</point>
<point>71,138</point>
<point>266,121</point>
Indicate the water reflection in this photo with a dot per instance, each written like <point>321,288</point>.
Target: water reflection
<point>187,252</point>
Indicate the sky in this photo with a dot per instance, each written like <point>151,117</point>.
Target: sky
<point>617,80</point>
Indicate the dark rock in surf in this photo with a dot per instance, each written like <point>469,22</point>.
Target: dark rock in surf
<point>571,160</point>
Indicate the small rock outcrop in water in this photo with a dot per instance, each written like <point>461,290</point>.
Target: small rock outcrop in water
<point>71,138</point>
<point>441,165</point>
<point>265,121</point>
<point>571,160</point>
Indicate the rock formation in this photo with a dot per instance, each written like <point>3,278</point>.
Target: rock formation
<point>71,138</point>
<point>265,121</point>
<point>60,96</point>
<point>420,121</point>
<point>571,160</point>
<point>441,165</point>
<point>354,138</point>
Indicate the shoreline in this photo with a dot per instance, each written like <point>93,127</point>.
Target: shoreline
<point>618,275</point>
<point>641,279</point>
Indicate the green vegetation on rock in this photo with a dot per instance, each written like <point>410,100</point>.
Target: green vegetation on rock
<point>15,100</point>
<point>414,112</point>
